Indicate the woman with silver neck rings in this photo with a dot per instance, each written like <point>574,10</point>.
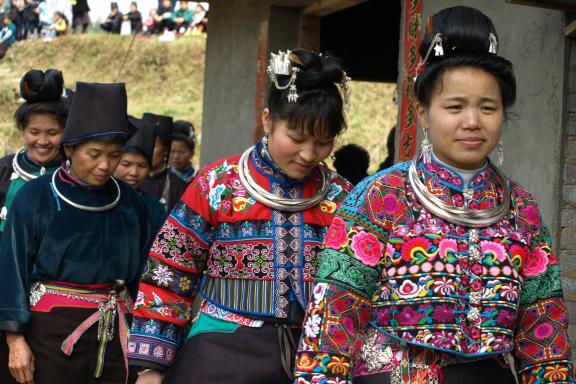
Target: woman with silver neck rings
<point>40,119</point>
<point>73,249</point>
<point>440,270</point>
<point>243,243</point>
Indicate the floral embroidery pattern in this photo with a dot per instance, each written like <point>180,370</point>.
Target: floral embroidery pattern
<point>366,248</point>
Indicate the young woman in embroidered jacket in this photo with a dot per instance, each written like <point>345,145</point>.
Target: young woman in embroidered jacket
<point>440,269</point>
<point>245,240</point>
<point>72,253</point>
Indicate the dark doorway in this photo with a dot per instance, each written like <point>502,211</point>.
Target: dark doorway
<point>367,38</point>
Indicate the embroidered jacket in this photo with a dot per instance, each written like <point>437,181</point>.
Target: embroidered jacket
<point>245,259</point>
<point>390,265</point>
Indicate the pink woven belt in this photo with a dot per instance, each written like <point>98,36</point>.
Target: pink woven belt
<point>110,300</point>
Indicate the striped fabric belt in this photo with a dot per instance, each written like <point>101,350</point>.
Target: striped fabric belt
<point>110,300</point>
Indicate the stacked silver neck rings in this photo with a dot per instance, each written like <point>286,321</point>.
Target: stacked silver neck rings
<point>276,202</point>
<point>459,215</point>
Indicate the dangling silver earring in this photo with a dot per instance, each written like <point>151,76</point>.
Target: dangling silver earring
<point>265,140</point>
<point>67,164</point>
<point>426,148</point>
<point>500,154</point>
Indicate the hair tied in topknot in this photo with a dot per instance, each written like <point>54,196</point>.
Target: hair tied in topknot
<point>37,86</point>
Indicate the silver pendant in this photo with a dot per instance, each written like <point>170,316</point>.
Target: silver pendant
<point>36,292</point>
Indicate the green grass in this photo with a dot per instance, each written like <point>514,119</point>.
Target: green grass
<point>164,78</point>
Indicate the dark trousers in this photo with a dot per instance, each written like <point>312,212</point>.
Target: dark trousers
<point>48,331</point>
<point>247,356</point>
<point>486,371</point>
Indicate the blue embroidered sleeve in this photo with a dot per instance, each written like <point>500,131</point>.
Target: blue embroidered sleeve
<point>542,347</point>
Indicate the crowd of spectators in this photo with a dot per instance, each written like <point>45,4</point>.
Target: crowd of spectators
<point>46,19</point>
<point>169,18</point>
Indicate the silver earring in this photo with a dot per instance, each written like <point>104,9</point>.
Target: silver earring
<point>426,148</point>
<point>500,154</point>
<point>265,140</point>
<point>67,164</point>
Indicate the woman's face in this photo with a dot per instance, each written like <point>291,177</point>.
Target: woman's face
<point>465,117</point>
<point>133,169</point>
<point>42,135</point>
<point>180,155</point>
<point>294,152</point>
<point>94,162</point>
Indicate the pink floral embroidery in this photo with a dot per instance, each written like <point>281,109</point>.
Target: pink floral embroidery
<point>367,248</point>
<point>531,214</point>
<point>506,318</point>
<point>389,253</point>
<point>408,316</point>
<point>391,205</point>
<point>543,331</point>
<point>536,262</point>
<point>336,237</point>
<point>417,244</point>
<point>444,313</point>
<point>445,246</point>
<point>497,251</point>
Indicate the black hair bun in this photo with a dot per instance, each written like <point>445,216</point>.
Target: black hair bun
<point>463,30</point>
<point>317,70</point>
<point>37,86</point>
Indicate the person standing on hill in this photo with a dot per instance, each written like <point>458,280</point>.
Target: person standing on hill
<point>80,15</point>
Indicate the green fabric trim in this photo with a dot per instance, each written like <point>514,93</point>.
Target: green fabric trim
<point>337,268</point>
<point>14,187</point>
<point>542,286</point>
<point>206,323</point>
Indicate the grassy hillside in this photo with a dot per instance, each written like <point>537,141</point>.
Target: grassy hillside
<point>164,78</point>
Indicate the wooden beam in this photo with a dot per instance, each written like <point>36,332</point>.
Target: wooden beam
<point>570,30</point>
<point>320,8</point>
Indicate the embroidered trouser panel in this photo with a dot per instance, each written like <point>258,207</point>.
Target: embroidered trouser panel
<point>247,356</point>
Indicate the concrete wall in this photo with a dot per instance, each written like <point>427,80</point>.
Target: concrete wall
<point>229,113</point>
<point>533,40</point>
<point>568,222</point>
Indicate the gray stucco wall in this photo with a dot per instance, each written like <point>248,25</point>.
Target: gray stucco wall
<point>533,40</point>
<point>568,222</point>
<point>229,113</point>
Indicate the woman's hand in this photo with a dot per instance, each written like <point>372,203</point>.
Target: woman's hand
<point>149,376</point>
<point>20,358</point>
